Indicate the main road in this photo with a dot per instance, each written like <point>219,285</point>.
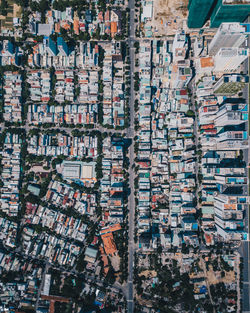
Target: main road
<point>130,134</point>
<point>245,246</point>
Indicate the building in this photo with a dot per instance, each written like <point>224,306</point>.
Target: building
<point>229,11</point>
<point>229,214</point>
<point>232,140</point>
<point>229,35</point>
<point>229,59</point>
<point>108,239</point>
<point>79,171</point>
<point>46,285</point>
<point>51,47</point>
<point>219,11</point>
<point>179,46</point>
<point>62,46</point>
<point>9,53</point>
<point>205,66</point>
<point>34,189</point>
<point>44,29</point>
<point>198,12</point>
<point>229,85</point>
<point>231,114</point>
<point>147,11</point>
<point>90,254</point>
<point>181,75</point>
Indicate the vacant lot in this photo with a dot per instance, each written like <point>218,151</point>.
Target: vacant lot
<point>168,16</point>
<point>13,10</point>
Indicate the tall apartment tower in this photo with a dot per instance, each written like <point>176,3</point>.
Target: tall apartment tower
<point>229,35</point>
<point>198,12</point>
<point>231,114</point>
<point>229,59</point>
<point>62,46</point>
<point>229,11</point>
<point>51,46</point>
<point>230,84</point>
<point>229,214</point>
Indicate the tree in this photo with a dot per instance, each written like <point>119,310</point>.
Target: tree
<point>190,113</point>
<point>4,8</point>
<point>84,36</point>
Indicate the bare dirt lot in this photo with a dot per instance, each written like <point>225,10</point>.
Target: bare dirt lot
<point>215,277</point>
<point>13,10</point>
<point>148,274</point>
<point>168,16</point>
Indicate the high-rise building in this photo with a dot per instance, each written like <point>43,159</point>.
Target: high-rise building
<point>198,12</point>
<point>219,11</point>
<point>232,140</point>
<point>62,46</point>
<point>229,59</point>
<point>229,85</point>
<point>229,11</point>
<point>229,35</point>
<point>229,214</point>
<point>231,114</point>
<point>9,47</point>
<point>51,47</point>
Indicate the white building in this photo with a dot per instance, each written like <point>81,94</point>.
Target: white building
<point>229,59</point>
<point>229,115</point>
<point>179,46</point>
<point>229,212</point>
<point>228,35</point>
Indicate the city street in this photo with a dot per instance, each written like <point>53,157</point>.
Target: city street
<point>130,134</point>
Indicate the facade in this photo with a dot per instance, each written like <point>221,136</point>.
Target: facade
<point>62,46</point>
<point>179,46</point>
<point>229,210</point>
<point>198,12</point>
<point>219,11</point>
<point>229,59</point>
<point>229,35</point>
<point>231,114</point>
<point>229,11</point>
<point>51,47</point>
<point>230,84</point>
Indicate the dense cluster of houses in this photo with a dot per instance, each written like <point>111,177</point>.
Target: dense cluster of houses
<point>224,141</point>
<point>107,22</point>
<point>113,85</point>
<point>23,289</point>
<point>49,247</point>
<point>64,86</point>
<point>112,182</point>
<point>10,54</point>
<point>12,88</point>
<point>56,221</point>
<point>81,114</point>
<point>61,144</point>
<point>88,86</point>
<point>8,232</point>
<point>76,93</point>
<point>171,187</point>
<point>63,196</point>
<point>85,55</point>
<point>40,85</point>
<point>10,174</point>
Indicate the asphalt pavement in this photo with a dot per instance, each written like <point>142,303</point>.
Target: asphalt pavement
<point>245,246</point>
<point>130,134</point>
